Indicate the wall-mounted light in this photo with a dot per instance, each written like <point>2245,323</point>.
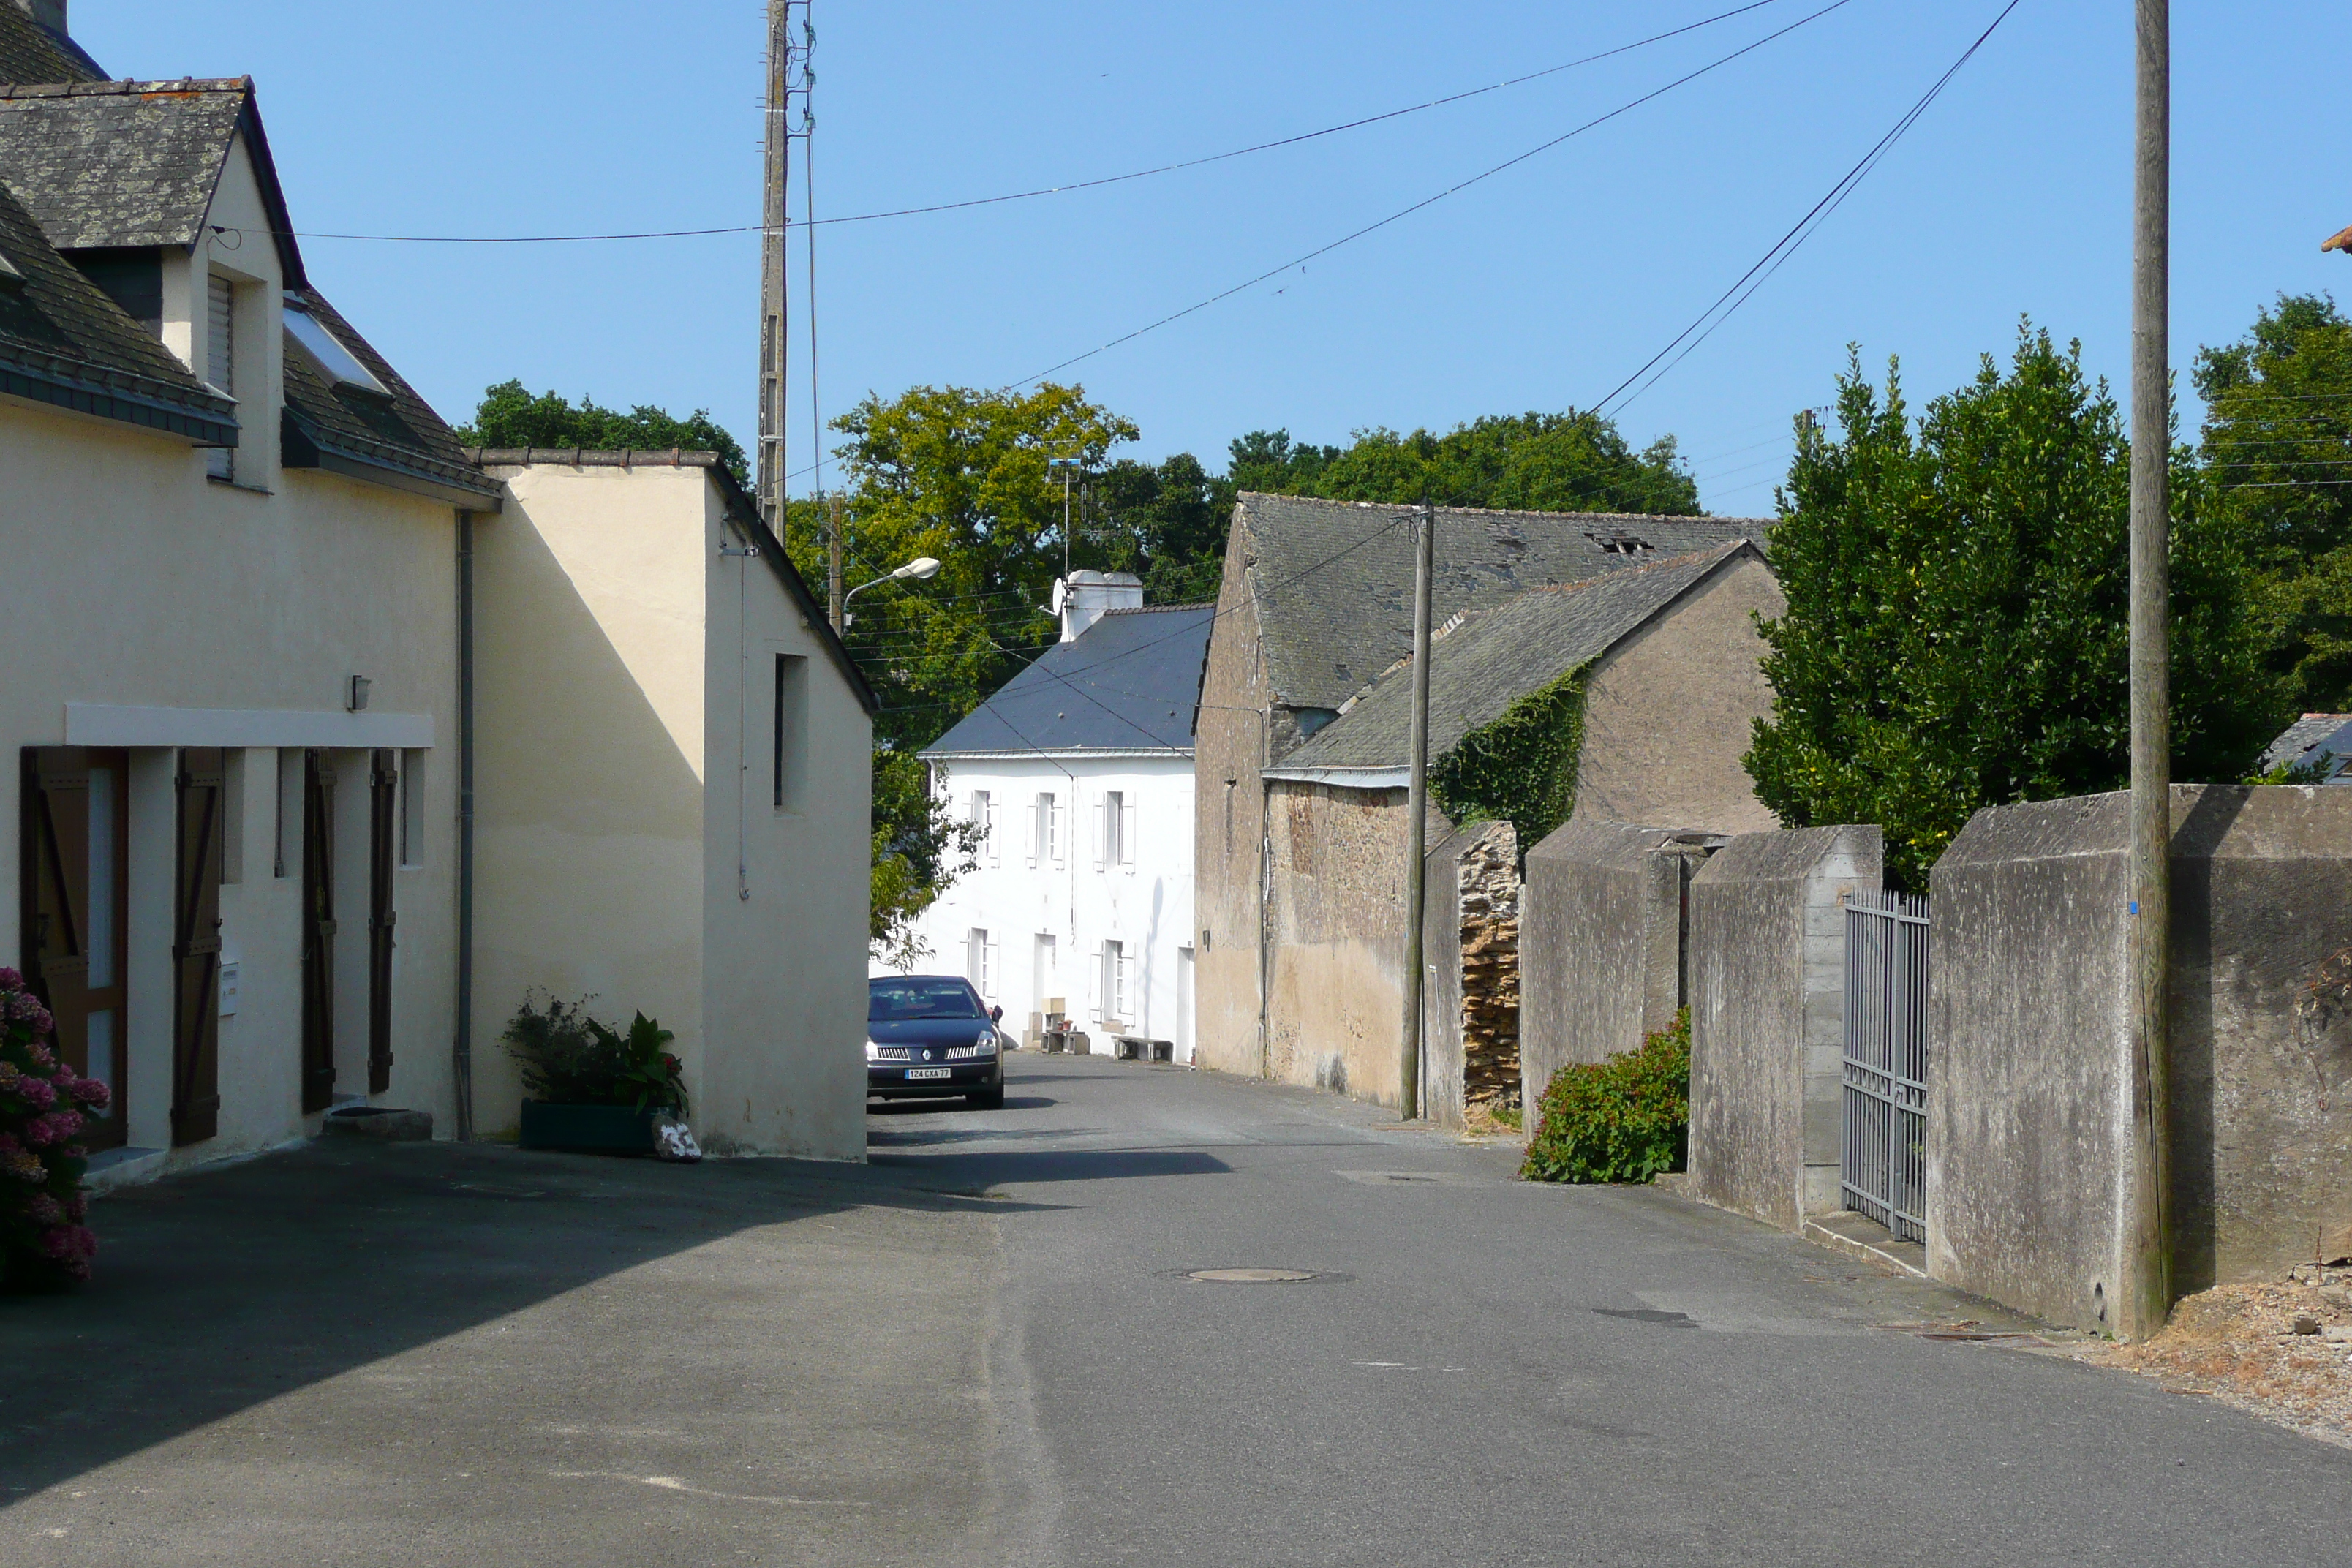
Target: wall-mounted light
<point>356,697</point>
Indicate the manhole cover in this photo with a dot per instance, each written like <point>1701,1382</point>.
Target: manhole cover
<point>1251,1276</point>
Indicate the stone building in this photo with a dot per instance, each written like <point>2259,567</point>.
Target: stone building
<point>1301,828</point>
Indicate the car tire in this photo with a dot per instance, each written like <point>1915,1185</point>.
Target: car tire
<point>987,1099</point>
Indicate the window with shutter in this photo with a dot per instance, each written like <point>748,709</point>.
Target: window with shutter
<point>195,948</point>
<point>1126,834</point>
<point>1053,827</point>
<point>220,358</point>
<point>75,897</point>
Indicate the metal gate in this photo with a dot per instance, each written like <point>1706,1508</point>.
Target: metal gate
<point>1884,1154</point>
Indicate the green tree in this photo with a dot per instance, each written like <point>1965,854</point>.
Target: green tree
<point>964,476</point>
<point>2278,445</point>
<point>510,417</point>
<point>1533,462</point>
<point>1955,633</point>
<point>1167,523</point>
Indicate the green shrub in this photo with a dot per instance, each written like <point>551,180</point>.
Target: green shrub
<point>569,1059</point>
<point>1624,1120</point>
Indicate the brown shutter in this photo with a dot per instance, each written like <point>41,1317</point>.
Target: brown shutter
<point>195,948</point>
<point>55,871</point>
<point>383,821</point>
<point>318,931</point>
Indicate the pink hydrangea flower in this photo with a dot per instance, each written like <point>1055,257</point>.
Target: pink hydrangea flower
<point>10,980</point>
<point>40,1055</point>
<point>45,1210</point>
<point>8,1073</point>
<point>78,1207</point>
<point>39,1093</point>
<point>70,1246</point>
<point>93,1093</point>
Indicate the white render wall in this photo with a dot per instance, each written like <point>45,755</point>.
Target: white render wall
<point>1082,898</point>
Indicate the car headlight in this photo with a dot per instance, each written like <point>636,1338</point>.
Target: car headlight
<point>871,1051</point>
<point>985,1046</point>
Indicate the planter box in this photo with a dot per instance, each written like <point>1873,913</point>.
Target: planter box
<point>621,1128</point>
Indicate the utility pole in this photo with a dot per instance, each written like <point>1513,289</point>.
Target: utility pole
<point>2149,875</point>
<point>1416,833</point>
<point>833,567</point>
<point>777,150</point>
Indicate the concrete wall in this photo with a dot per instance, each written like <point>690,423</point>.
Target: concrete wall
<point>2030,1122</point>
<point>1048,911</point>
<point>1667,710</point>
<point>1602,925</point>
<point>612,642</point>
<point>149,607</point>
<point>1767,975</point>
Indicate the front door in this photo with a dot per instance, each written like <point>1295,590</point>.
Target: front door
<point>200,798</point>
<point>75,903</point>
<point>318,931</point>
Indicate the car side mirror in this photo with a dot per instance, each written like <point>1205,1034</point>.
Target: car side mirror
<point>996,1015</point>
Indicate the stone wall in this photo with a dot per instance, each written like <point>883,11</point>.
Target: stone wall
<point>2030,1119</point>
<point>1601,928</point>
<point>1229,827</point>
<point>1766,1000</point>
<point>1470,996</point>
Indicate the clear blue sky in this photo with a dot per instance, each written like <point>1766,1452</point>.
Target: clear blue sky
<point>1539,289</point>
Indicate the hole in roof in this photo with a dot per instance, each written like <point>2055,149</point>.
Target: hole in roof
<point>1621,543</point>
<point>334,362</point>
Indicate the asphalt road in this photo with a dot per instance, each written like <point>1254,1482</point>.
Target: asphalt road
<point>985,1350</point>
<point>1490,1372</point>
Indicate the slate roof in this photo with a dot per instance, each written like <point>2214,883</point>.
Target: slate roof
<point>1497,655</point>
<point>133,163</point>
<point>63,341</point>
<point>1333,580</point>
<point>1129,682</point>
<point>399,433</point>
<point>30,52</point>
<point>2314,738</point>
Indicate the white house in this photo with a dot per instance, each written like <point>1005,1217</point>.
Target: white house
<point>329,740</point>
<point>1080,773</point>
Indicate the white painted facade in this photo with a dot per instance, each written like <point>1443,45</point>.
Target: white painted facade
<point>1083,892</point>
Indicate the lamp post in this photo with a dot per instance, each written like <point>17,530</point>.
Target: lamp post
<point>922,566</point>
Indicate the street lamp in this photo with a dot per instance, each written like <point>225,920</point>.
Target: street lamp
<point>920,567</point>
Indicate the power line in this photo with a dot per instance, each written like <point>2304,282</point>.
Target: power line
<point>1771,261</point>
<point>1060,189</point>
<point>1431,201</point>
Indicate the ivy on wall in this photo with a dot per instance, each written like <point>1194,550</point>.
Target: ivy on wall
<point>1520,768</point>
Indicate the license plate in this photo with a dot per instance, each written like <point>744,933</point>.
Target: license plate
<point>927,1072</point>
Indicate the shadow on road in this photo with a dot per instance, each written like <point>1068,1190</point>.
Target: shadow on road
<point>222,1288</point>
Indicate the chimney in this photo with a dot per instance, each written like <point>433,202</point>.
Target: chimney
<point>1081,598</point>
<point>49,14</point>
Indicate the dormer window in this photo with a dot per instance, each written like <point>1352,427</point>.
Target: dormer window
<point>336,365</point>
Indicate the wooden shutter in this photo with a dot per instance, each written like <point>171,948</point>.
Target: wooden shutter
<point>995,846</point>
<point>195,947</point>
<point>1124,1003</point>
<point>1099,814</point>
<point>1126,831</point>
<point>384,808</point>
<point>54,870</point>
<point>318,931</point>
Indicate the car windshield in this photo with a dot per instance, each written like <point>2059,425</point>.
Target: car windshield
<point>895,1001</point>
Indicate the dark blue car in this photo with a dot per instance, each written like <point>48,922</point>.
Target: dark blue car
<point>930,1037</point>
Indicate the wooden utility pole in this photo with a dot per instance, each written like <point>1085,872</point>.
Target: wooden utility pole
<point>2150,893</point>
<point>833,567</point>
<point>777,146</point>
<point>1416,812</point>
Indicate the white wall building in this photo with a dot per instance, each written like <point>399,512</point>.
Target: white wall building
<point>1080,771</point>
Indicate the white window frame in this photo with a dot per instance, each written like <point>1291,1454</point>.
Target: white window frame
<point>982,814</point>
<point>979,961</point>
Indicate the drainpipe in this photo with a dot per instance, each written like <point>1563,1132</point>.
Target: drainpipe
<point>462,1049</point>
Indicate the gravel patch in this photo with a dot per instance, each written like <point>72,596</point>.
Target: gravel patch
<point>2283,1351</point>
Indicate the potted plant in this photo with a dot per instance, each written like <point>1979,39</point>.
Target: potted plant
<point>587,1086</point>
<point>42,1102</point>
